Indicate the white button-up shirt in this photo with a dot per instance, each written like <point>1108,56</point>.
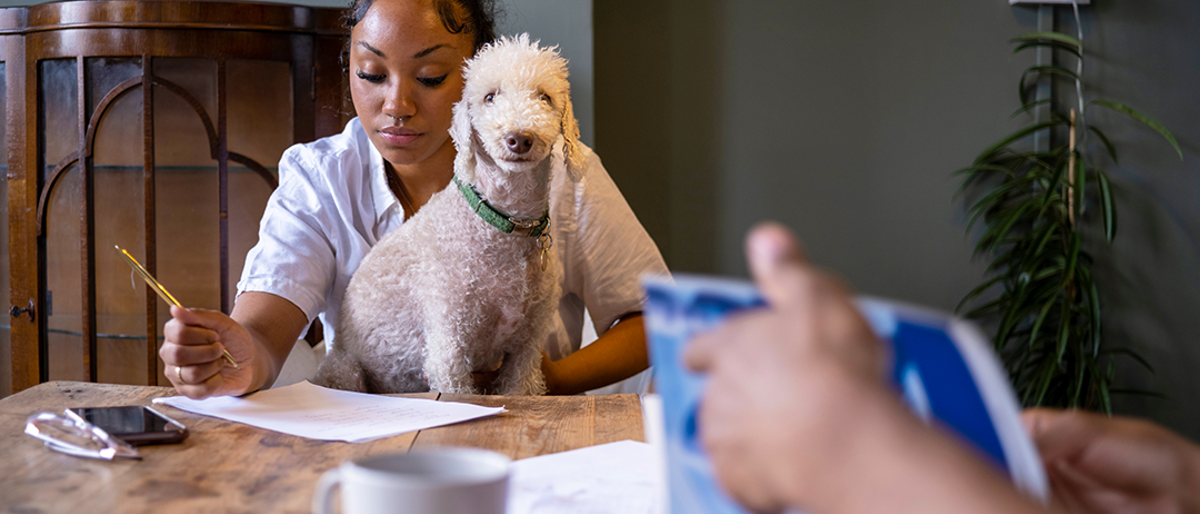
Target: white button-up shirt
<point>333,204</point>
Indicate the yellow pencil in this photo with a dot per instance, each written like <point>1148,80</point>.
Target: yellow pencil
<point>162,291</point>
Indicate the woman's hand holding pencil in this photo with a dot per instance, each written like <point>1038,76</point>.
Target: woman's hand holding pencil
<point>162,291</point>
<point>196,346</point>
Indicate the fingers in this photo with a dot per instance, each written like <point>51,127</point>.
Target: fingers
<point>196,374</point>
<point>1058,433</point>
<point>778,264</point>
<point>191,351</point>
<point>196,388</point>
<point>177,354</point>
<point>212,320</point>
<point>700,352</point>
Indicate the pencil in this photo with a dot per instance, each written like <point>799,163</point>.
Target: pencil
<point>162,291</point>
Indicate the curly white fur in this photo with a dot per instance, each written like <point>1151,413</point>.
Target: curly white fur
<point>447,293</point>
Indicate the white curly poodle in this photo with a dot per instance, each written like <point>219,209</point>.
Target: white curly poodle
<point>472,279</point>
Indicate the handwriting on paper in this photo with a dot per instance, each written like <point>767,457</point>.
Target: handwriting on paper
<point>315,412</point>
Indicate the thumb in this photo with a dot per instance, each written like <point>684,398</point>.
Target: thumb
<point>778,263</point>
<point>1058,433</point>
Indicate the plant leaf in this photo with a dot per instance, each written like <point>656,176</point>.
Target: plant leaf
<point>1047,374</point>
<point>1017,311</point>
<point>1080,373</point>
<point>1139,392</point>
<point>996,234</point>
<point>1072,258</point>
<point>1094,300</point>
<point>1079,187</point>
<point>977,291</point>
<point>1107,400</point>
<point>1046,35</point>
<point>1037,325</point>
<point>1045,239</point>
<point>1132,354</point>
<point>1038,70</point>
<point>983,309</point>
<point>1025,108</point>
<point>1146,120</point>
<point>1112,151</point>
<point>1049,199</point>
<point>1024,132</point>
<point>1053,44</point>
<point>1107,208</point>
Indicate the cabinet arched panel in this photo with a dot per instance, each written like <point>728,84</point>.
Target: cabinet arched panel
<point>152,125</point>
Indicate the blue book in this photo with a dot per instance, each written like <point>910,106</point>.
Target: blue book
<point>944,368</point>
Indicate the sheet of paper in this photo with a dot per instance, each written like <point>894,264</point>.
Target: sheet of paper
<point>616,477</point>
<point>315,412</point>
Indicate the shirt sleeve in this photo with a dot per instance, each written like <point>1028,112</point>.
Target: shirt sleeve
<point>611,250</point>
<point>294,256</point>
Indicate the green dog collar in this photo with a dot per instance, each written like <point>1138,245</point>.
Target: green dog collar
<point>497,219</point>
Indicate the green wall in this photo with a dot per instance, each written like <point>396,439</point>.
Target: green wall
<point>845,120</point>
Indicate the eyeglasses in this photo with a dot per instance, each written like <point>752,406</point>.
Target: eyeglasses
<point>71,434</point>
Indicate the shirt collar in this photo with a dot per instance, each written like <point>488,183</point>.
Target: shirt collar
<point>386,204</point>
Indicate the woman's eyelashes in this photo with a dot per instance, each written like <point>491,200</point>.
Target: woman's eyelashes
<point>425,81</point>
<point>432,81</point>
<point>370,77</point>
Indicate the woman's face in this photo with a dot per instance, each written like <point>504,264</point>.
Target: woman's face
<point>405,75</point>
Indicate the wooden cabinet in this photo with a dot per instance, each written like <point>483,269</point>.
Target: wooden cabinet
<point>155,126</point>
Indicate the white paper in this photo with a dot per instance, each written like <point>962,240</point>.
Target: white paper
<point>615,477</point>
<point>315,412</point>
<point>656,437</point>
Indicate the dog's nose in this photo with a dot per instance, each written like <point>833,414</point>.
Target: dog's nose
<point>518,143</point>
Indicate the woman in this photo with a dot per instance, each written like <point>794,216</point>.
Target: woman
<point>338,195</point>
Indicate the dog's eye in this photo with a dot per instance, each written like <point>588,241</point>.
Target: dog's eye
<point>489,97</point>
<point>545,98</point>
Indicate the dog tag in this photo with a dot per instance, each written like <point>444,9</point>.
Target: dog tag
<point>544,242</point>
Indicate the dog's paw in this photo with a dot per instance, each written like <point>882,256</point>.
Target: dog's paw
<point>453,386</point>
<point>532,385</point>
<point>346,381</point>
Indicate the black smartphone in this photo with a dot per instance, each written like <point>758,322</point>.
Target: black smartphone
<point>136,425</point>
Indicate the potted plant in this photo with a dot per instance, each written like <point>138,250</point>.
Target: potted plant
<point>1041,211</point>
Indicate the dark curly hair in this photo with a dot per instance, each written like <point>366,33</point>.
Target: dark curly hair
<point>479,17</point>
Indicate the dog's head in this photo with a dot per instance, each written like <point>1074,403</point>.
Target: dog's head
<point>516,103</point>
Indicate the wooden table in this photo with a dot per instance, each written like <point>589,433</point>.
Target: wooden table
<point>230,467</point>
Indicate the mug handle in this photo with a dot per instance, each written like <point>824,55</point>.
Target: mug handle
<point>323,497</point>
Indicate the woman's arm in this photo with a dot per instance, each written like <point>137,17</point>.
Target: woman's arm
<point>618,354</point>
<point>274,325</point>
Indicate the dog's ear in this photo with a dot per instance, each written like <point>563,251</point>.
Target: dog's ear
<point>460,132</point>
<point>572,153</point>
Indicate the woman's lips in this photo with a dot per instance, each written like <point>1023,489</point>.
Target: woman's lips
<point>399,137</point>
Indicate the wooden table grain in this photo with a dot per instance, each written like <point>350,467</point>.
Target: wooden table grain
<point>230,467</point>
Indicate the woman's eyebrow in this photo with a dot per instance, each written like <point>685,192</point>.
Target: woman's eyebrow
<point>417,55</point>
<point>372,49</point>
<point>429,50</point>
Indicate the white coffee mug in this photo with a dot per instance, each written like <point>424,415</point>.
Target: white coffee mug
<point>432,481</point>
